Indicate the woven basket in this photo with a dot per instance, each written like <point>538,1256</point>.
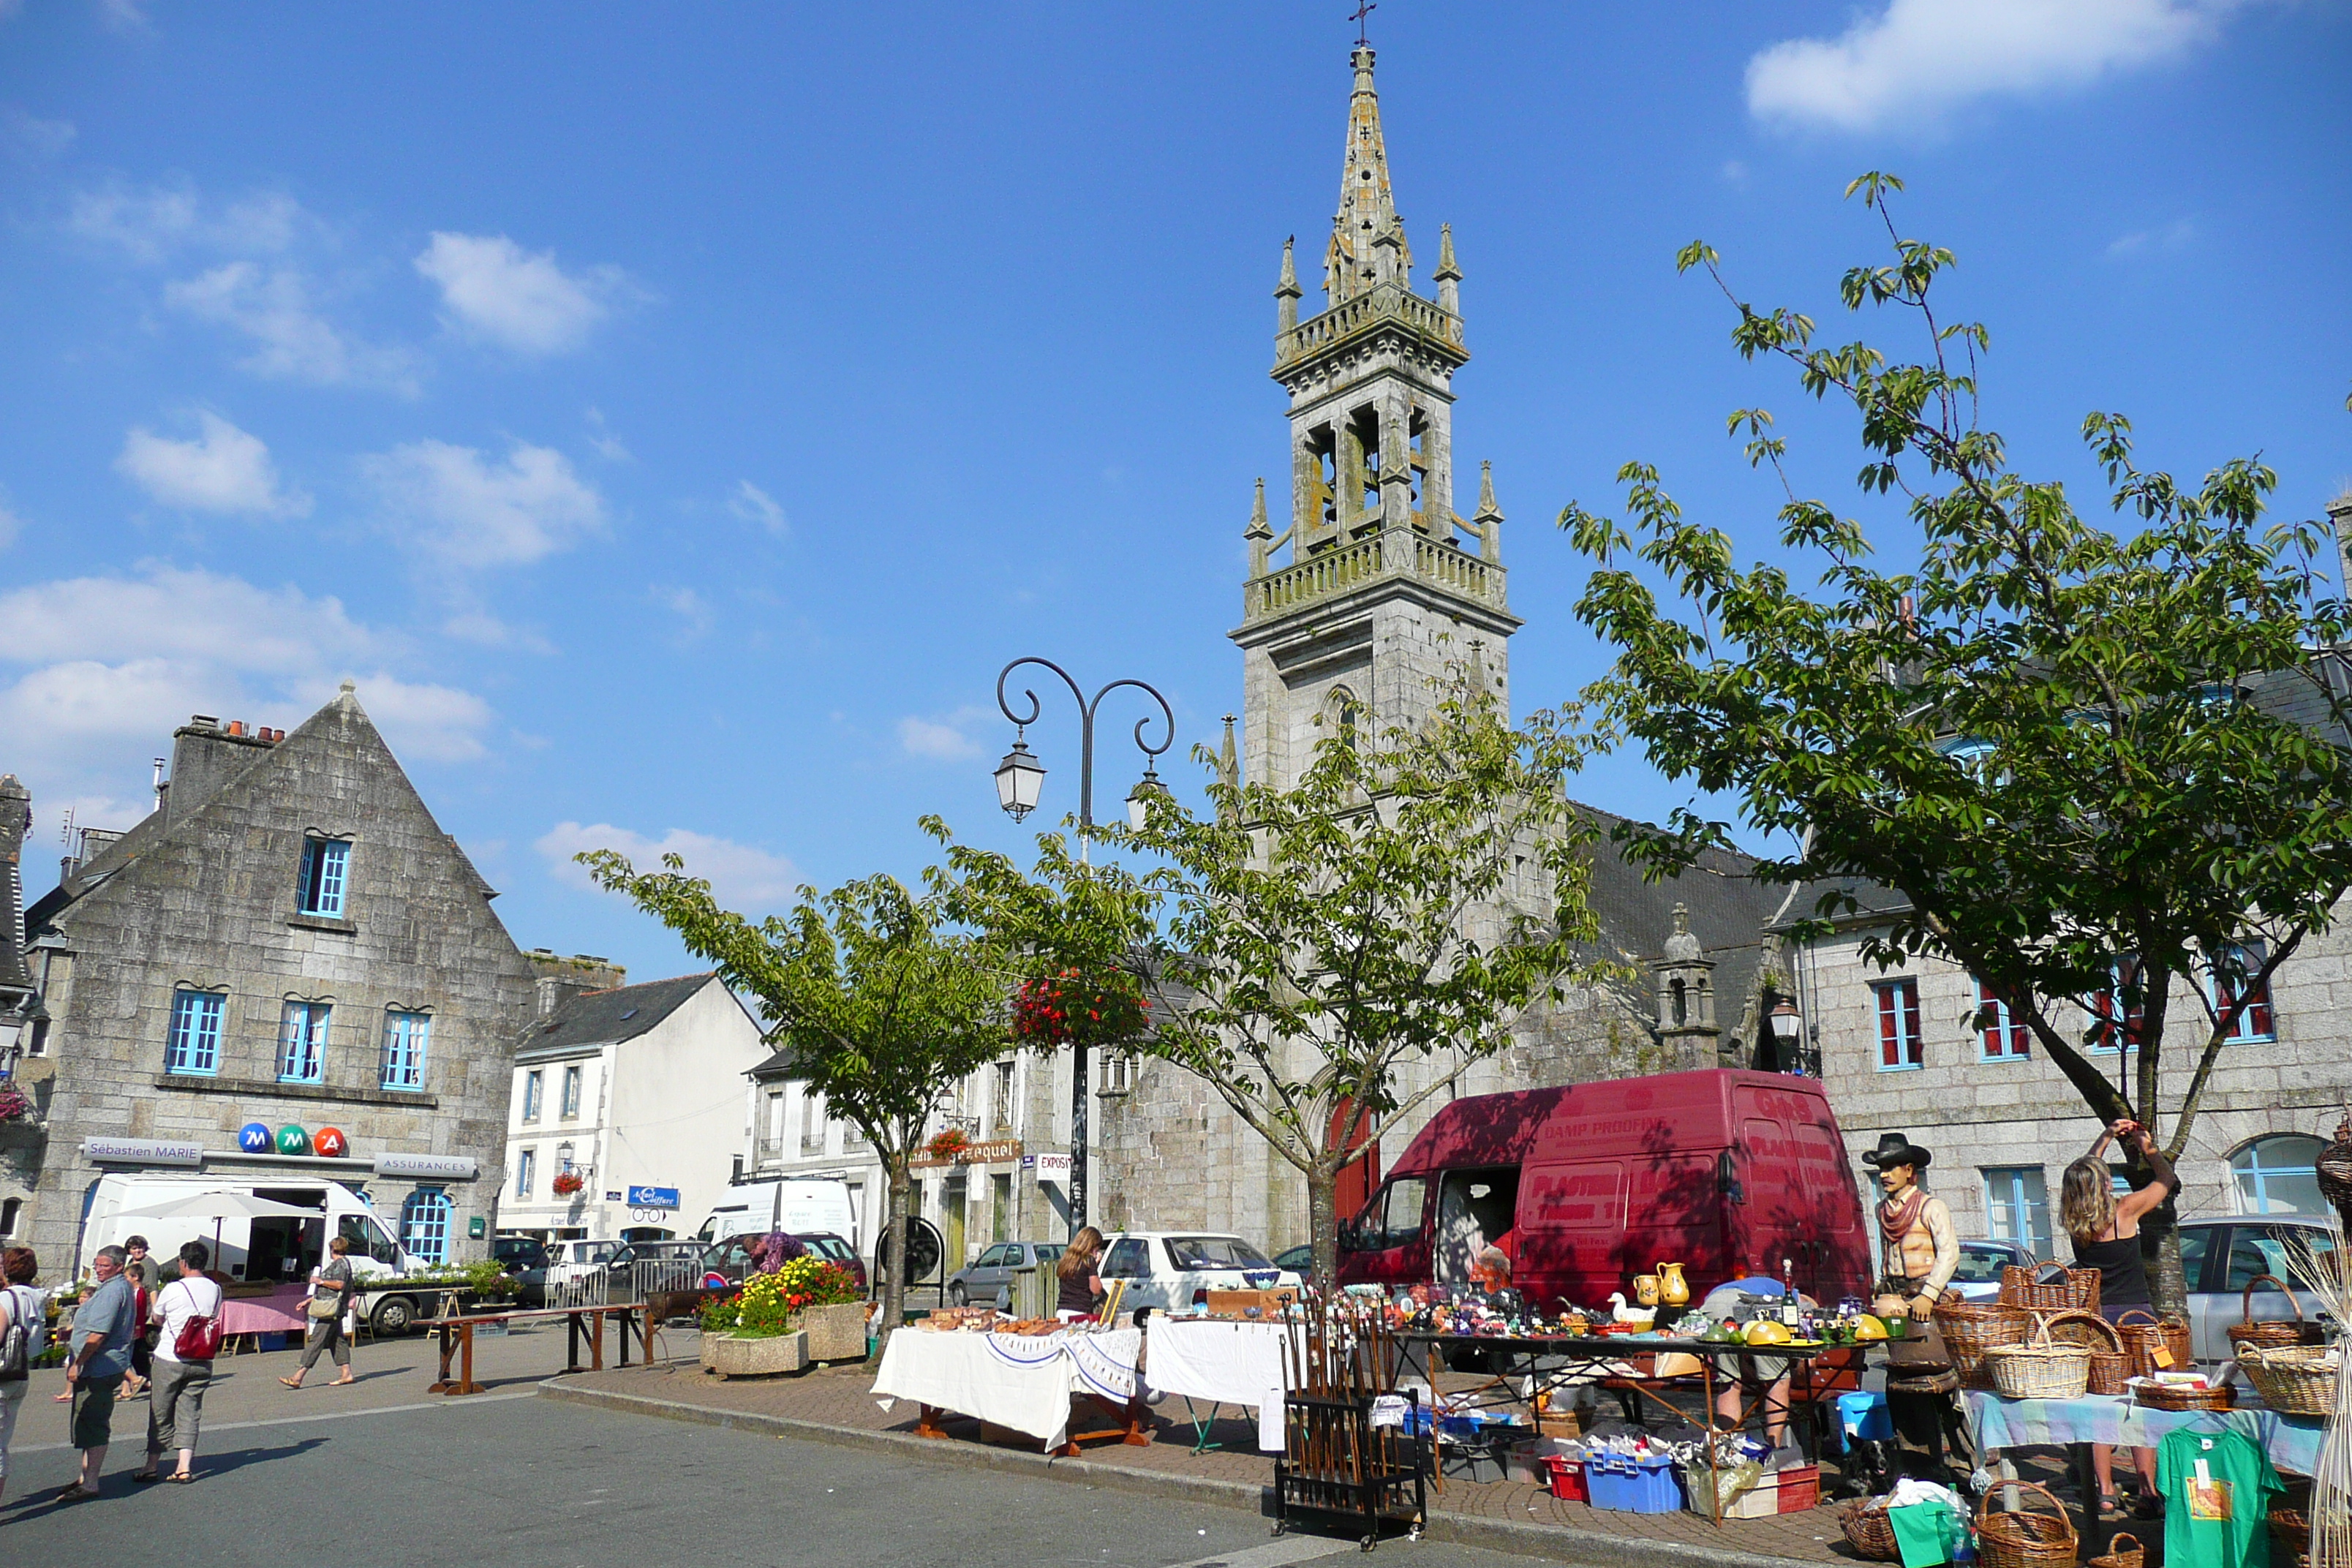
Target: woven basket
<point>1970,1330</point>
<point>2118,1555</point>
<point>2077,1292</point>
<point>2290,1537</point>
<point>1868,1529</point>
<point>2142,1341</point>
<point>2334,1166</point>
<point>2110,1368</point>
<point>2293,1379</point>
<point>2109,1373</point>
<point>2277,1330</point>
<point>2022,1539</point>
<point>2041,1370</point>
<point>2166,1396</point>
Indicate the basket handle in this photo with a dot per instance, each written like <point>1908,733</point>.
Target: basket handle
<point>2077,1315</point>
<point>1984,1507</point>
<point>2115,1542</point>
<point>2246,1301</point>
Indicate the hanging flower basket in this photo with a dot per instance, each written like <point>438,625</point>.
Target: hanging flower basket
<point>951,1144</point>
<point>1071,1008</point>
<point>567,1183</point>
<point>16,1105</point>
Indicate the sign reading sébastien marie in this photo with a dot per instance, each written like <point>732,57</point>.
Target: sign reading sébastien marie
<point>142,1152</point>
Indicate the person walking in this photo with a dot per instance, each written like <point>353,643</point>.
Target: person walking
<point>1080,1291</point>
<point>2105,1232</point>
<point>103,1327</point>
<point>144,1276</point>
<point>330,1285</point>
<point>24,1327</point>
<point>189,1311</point>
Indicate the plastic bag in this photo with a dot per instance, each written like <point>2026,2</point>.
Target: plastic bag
<point>1738,1480</point>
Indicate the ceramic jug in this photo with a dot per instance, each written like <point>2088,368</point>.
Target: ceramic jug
<point>1645,1289</point>
<point>1673,1291</point>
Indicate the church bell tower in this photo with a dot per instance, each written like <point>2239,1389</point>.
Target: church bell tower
<point>1351,616</point>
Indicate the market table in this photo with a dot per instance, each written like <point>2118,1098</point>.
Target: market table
<point>457,1339</point>
<point>1223,1362</point>
<point>1021,1383</point>
<point>1996,1423</point>
<point>279,1312</point>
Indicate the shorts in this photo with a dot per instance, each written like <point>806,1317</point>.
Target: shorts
<point>93,1410</point>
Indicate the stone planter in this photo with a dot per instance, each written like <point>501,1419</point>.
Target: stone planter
<point>731,1356</point>
<point>834,1333</point>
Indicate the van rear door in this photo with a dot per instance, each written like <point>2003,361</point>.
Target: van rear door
<point>1801,1202</point>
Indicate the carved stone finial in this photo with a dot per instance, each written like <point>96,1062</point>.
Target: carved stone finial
<point>1260,532</point>
<point>1683,947</point>
<point>1488,519</point>
<point>1286,292</point>
<point>1448,276</point>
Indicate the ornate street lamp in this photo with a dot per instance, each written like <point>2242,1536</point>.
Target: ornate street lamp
<point>1787,1024</point>
<point>1018,780</point>
<point>1138,799</point>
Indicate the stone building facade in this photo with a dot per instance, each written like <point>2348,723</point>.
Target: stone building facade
<point>289,939</point>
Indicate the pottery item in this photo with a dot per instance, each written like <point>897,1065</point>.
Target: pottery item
<point>1673,1291</point>
<point>1645,1289</point>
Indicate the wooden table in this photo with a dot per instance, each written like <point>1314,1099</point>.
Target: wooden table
<point>457,1339</point>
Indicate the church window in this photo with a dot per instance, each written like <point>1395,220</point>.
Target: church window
<point>1345,716</point>
<point>1682,1004</point>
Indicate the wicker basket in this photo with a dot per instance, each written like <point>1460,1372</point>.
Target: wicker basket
<point>2110,1368</point>
<point>1970,1330</point>
<point>2169,1397</point>
<point>2142,1341</point>
<point>2290,1537</point>
<point>2293,1379</point>
<point>2277,1330</point>
<point>2022,1539</point>
<point>2118,1555</point>
<point>2077,1292</point>
<point>2109,1373</point>
<point>2041,1370</point>
<point>1868,1529</point>
<point>2334,1166</point>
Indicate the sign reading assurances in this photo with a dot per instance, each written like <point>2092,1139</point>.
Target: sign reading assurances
<point>142,1152</point>
<point>446,1167</point>
<point>653,1197</point>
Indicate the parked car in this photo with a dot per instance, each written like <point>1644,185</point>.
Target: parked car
<point>1977,1279</point>
<point>729,1259</point>
<point>1299,1259</point>
<point>989,1276</point>
<point>836,1248</point>
<point>2220,1257</point>
<point>516,1254</point>
<point>1169,1269</point>
<point>565,1263</point>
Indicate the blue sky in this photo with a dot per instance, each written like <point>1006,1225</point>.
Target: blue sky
<point>673,419</point>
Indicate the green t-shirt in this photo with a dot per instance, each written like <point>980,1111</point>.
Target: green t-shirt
<point>2217,1487</point>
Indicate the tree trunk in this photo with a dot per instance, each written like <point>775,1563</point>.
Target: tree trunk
<point>2166,1282</point>
<point>1323,1222</point>
<point>894,1252</point>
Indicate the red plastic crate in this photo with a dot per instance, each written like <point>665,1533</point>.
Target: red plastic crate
<point>1800,1488</point>
<point>1567,1479</point>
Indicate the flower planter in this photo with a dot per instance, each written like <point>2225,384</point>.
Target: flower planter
<point>834,1333</point>
<point>730,1355</point>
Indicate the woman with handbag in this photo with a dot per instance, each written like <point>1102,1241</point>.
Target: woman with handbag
<point>189,1309</point>
<point>330,1303</point>
<point>24,1325</point>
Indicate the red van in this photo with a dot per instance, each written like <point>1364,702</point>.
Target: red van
<point>1719,1170</point>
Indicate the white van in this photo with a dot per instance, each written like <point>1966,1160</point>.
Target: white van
<point>796,1205</point>
<point>282,1247</point>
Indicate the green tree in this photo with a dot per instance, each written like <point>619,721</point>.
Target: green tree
<point>883,1004</point>
<point>1403,905</point>
<point>2068,748</point>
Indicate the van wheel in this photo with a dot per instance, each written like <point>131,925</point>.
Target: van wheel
<point>393,1315</point>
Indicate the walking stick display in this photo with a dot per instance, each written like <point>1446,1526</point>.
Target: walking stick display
<point>1345,1449</point>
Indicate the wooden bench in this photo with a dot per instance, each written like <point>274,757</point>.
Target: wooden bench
<point>455,1335</point>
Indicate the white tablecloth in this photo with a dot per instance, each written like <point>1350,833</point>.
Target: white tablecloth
<point>2291,1441</point>
<point>1023,1384</point>
<point>1230,1364</point>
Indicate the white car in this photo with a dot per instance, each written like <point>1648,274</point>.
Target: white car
<point>1170,1270</point>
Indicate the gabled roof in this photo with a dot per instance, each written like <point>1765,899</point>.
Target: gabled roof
<point>1728,909</point>
<point>594,1018</point>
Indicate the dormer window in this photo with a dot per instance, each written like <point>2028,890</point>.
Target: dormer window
<point>320,890</point>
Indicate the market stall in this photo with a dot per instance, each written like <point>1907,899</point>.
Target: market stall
<point>278,1311</point>
<point>2291,1442</point>
<point>1021,1382</point>
<point>1219,1361</point>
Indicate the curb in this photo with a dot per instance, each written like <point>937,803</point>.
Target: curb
<point>1563,1543</point>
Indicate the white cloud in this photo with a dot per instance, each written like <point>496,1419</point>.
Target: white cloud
<point>452,503</point>
<point>940,740</point>
<point>125,16</point>
<point>493,290</point>
<point>754,504</point>
<point>151,223</point>
<point>38,140</point>
<point>1920,57</point>
<point>689,606</point>
<point>224,469</point>
<point>438,724</point>
<point>2172,237</point>
<point>293,338</point>
<point>608,446</point>
<point>486,630</point>
<point>748,879</point>
<point>187,616</point>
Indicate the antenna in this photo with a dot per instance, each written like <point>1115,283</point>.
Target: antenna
<point>65,833</point>
<point>1363,10</point>
<point>159,783</point>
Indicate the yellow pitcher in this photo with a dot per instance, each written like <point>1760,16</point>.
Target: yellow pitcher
<point>1673,1291</point>
<point>1645,1289</point>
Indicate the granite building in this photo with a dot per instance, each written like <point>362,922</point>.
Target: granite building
<point>288,940</point>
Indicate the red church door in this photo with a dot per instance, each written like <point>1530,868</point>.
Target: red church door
<point>1359,1177</point>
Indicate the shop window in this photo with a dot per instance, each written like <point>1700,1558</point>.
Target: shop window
<point>1899,1044</point>
<point>2233,983</point>
<point>325,862</point>
<point>534,1085</point>
<point>2119,1012</point>
<point>194,1043</point>
<point>2275,1175</point>
<point>302,1042</point>
<point>2017,1207</point>
<point>405,1037</point>
<point>2002,1034</point>
<point>425,1225</point>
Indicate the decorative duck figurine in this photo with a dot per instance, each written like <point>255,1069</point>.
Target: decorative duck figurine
<point>1619,1313</point>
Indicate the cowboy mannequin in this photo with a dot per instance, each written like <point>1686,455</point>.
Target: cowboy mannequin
<point>1919,1250</point>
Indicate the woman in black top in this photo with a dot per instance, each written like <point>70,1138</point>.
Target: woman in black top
<point>1081,1290</point>
<point>2106,1230</point>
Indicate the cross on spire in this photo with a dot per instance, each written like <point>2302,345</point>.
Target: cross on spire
<point>1363,10</point>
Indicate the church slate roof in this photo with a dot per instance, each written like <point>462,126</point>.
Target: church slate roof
<point>596,1018</point>
<point>1729,909</point>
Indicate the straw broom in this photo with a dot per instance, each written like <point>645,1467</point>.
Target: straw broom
<point>2328,1275</point>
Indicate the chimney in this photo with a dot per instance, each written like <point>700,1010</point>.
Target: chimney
<point>560,977</point>
<point>206,754</point>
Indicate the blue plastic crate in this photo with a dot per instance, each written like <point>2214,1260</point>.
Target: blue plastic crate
<point>271,1340</point>
<point>1634,1486</point>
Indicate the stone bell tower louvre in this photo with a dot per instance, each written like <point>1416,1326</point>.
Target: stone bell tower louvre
<point>1351,617</point>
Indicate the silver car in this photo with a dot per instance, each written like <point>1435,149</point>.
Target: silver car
<point>1979,1276</point>
<point>2219,1259</point>
<point>989,1276</point>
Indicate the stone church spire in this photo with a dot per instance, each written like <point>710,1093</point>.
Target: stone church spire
<point>1368,244</point>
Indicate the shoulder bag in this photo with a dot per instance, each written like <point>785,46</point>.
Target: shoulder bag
<point>199,1337</point>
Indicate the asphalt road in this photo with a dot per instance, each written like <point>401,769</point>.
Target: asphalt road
<point>525,1483</point>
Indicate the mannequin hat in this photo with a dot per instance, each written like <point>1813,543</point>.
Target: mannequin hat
<point>1896,1148</point>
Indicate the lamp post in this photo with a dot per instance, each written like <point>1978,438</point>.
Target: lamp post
<point>1788,1023</point>
<point>1020,778</point>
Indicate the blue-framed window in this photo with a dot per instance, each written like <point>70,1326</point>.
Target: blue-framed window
<point>425,1225</point>
<point>1900,1044</point>
<point>194,1043</point>
<point>2016,1206</point>
<point>2233,982</point>
<point>534,1090</point>
<point>2120,1012</point>
<point>526,1170</point>
<point>2001,1034</point>
<point>2276,1175</point>
<point>571,1092</point>
<point>325,865</point>
<point>405,1036</point>
<point>302,1043</point>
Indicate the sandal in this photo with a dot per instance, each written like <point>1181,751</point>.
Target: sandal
<point>181,1478</point>
<point>145,1477</point>
<point>290,1382</point>
<point>75,1493</point>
